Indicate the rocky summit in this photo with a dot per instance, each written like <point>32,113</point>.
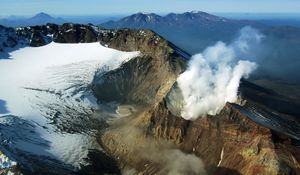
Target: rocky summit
<point>258,135</point>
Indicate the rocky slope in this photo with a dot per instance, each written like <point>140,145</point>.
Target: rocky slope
<point>228,143</point>
<point>142,80</point>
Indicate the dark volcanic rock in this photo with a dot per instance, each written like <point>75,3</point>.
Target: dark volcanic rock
<point>11,42</point>
<point>37,40</point>
<point>146,41</point>
<point>36,36</point>
<point>270,99</point>
<point>75,33</point>
<point>99,163</point>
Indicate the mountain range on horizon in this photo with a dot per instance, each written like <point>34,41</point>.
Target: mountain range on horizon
<point>194,31</point>
<point>43,18</point>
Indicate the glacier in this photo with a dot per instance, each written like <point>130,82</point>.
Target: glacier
<point>47,88</point>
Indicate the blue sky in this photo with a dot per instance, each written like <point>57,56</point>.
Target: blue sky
<point>101,7</point>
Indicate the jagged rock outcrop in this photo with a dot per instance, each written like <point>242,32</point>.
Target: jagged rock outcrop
<point>37,40</point>
<point>36,36</point>
<point>14,38</point>
<point>7,38</point>
<point>75,33</point>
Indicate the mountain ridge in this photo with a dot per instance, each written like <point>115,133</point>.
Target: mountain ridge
<point>151,18</point>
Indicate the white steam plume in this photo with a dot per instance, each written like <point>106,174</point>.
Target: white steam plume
<point>212,77</point>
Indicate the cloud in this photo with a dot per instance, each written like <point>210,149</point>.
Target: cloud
<point>212,77</point>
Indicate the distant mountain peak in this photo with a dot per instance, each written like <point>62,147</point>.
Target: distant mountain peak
<point>42,15</point>
<point>199,13</point>
<point>38,19</point>
<point>196,11</point>
<point>142,17</point>
<point>145,13</point>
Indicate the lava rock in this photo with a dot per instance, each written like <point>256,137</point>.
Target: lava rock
<point>75,33</point>
<point>37,40</point>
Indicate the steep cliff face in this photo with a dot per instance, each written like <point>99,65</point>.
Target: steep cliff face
<point>145,79</point>
<point>228,143</point>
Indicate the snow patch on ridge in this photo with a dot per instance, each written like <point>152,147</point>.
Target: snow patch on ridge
<point>5,162</point>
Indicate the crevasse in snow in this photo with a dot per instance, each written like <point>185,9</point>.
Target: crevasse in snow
<point>54,74</point>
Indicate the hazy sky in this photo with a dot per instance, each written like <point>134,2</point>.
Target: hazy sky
<point>94,7</point>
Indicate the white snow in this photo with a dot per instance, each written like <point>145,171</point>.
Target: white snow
<point>56,69</point>
<point>29,67</point>
<point>10,173</point>
<point>5,162</point>
<point>71,148</point>
<point>221,157</point>
<point>70,30</point>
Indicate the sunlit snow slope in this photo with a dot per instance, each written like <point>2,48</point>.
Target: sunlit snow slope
<point>49,87</point>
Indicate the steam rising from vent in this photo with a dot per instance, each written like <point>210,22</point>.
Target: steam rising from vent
<point>212,77</point>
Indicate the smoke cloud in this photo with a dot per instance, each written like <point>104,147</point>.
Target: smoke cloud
<point>144,154</point>
<point>178,163</point>
<point>171,160</point>
<point>212,77</point>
